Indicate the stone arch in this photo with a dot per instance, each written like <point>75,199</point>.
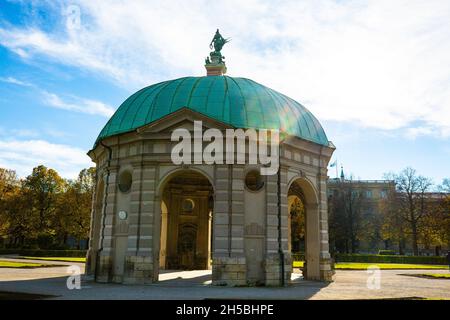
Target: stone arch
<point>169,175</point>
<point>164,221</point>
<point>307,187</point>
<point>303,188</point>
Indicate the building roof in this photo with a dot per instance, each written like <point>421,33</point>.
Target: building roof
<point>361,182</point>
<point>239,102</point>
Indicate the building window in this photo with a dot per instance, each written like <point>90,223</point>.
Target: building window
<point>383,193</point>
<point>369,194</point>
<point>254,181</point>
<point>188,205</point>
<point>125,180</point>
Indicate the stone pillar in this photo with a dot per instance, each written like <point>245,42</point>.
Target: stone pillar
<point>209,257</point>
<point>228,218</point>
<point>325,260</point>
<point>312,243</point>
<point>285,225</point>
<point>272,265</point>
<point>104,264</point>
<point>139,259</point>
<point>238,268</point>
<point>96,211</point>
<point>163,236</point>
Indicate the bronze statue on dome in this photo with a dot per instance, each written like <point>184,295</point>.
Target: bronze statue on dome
<point>218,42</point>
<point>215,57</point>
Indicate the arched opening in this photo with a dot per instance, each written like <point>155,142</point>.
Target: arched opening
<point>303,226</point>
<point>186,213</point>
<point>296,227</point>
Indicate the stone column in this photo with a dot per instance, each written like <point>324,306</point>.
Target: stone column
<point>163,236</point>
<point>237,265</point>
<point>312,243</point>
<point>209,257</point>
<point>285,225</point>
<point>272,265</point>
<point>91,255</point>
<point>325,260</point>
<point>228,222</point>
<point>104,266</point>
<point>139,260</point>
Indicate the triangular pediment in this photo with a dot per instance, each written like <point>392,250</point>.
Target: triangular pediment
<point>183,118</point>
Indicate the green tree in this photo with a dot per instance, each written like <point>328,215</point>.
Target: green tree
<point>74,207</point>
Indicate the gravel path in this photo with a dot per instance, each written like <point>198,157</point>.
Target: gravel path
<point>196,285</point>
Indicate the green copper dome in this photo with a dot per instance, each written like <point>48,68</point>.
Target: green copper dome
<point>239,102</point>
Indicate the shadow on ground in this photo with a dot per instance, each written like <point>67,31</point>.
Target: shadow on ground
<point>178,285</point>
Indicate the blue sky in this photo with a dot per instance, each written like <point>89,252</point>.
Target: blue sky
<point>375,73</point>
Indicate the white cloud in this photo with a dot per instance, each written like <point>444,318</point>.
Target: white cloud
<point>29,133</point>
<point>78,105</point>
<point>15,81</point>
<point>23,155</point>
<point>380,64</point>
<point>413,133</point>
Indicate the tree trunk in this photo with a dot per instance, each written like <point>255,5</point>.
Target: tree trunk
<point>437,251</point>
<point>401,246</point>
<point>65,236</point>
<point>414,238</point>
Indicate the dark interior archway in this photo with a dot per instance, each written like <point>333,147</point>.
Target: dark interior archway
<point>186,214</point>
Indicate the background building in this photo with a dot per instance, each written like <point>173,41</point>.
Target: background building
<point>367,216</point>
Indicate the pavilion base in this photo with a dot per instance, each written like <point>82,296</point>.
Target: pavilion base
<point>229,271</point>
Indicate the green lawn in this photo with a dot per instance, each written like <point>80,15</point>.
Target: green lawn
<point>383,266</point>
<point>66,259</point>
<point>11,264</point>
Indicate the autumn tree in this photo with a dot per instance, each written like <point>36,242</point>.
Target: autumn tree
<point>74,206</point>
<point>412,201</point>
<point>21,226</point>
<point>442,215</point>
<point>297,218</point>
<point>44,209</point>
<point>42,188</point>
<point>347,207</point>
<point>9,186</point>
<point>394,227</point>
<point>8,182</point>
